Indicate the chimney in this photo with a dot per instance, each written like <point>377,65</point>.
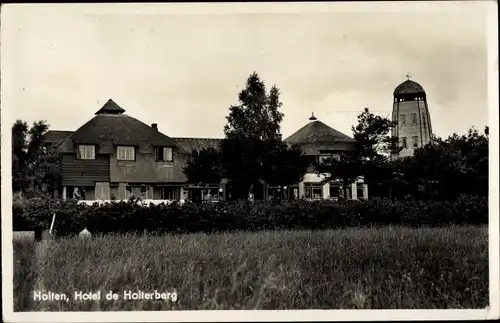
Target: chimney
<point>154,126</point>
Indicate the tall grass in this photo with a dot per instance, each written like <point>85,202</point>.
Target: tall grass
<point>386,268</point>
<point>24,272</point>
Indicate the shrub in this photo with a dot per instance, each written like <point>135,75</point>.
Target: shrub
<point>121,217</point>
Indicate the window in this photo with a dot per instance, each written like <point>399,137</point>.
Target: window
<point>164,153</point>
<point>403,120</point>
<point>86,152</point>
<point>313,191</point>
<point>168,193</point>
<point>403,142</point>
<point>360,190</point>
<point>137,191</point>
<point>415,141</point>
<point>77,193</point>
<point>194,153</point>
<point>323,158</point>
<point>113,191</point>
<point>215,193</point>
<point>125,153</point>
<point>335,191</point>
<point>414,118</point>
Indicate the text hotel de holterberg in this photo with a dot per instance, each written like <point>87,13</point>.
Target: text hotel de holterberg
<point>96,296</point>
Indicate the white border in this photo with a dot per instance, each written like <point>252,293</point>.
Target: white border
<point>223,316</point>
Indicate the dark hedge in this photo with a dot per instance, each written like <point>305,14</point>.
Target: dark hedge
<point>121,217</point>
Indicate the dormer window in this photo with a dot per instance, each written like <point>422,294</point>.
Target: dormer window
<point>164,154</point>
<point>86,152</point>
<point>333,156</point>
<point>125,153</point>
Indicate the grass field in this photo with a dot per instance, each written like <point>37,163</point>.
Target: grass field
<point>388,268</point>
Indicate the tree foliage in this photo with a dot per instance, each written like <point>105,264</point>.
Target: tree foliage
<point>35,168</point>
<point>252,150</point>
<point>452,166</point>
<point>257,115</point>
<point>443,169</point>
<point>283,165</point>
<point>205,167</point>
<point>373,136</point>
<point>372,158</point>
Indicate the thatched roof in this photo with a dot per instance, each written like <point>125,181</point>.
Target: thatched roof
<point>188,145</point>
<point>55,136</point>
<point>110,107</point>
<point>316,136</point>
<point>318,132</point>
<point>110,127</point>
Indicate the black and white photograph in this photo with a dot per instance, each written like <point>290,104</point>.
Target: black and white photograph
<point>249,161</point>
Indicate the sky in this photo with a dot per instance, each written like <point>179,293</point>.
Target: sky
<point>183,66</point>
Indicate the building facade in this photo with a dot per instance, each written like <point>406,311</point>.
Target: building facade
<point>115,157</point>
<point>319,142</point>
<point>411,113</point>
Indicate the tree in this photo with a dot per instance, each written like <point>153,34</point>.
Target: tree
<point>372,158</point>
<point>35,168</point>
<point>204,168</point>
<point>257,115</point>
<point>373,136</point>
<point>19,154</point>
<point>252,147</point>
<point>453,166</point>
<point>284,165</point>
<point>345,170</point>
<point>252,151</point>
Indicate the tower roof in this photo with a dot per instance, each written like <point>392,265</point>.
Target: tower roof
<point>408,87</point>
<point>110,107</point>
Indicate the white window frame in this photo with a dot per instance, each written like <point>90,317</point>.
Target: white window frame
<point>165,149</point>
<point>86,152</point>
<point>125,153</point>
<point>313,187</point>
<point>163,154</point>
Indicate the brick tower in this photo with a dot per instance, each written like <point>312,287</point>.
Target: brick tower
<point>411,113</point>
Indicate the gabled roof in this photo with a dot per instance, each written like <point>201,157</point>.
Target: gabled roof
<point>110,127</point>
<point>188,145</point>
<point>318,132</point>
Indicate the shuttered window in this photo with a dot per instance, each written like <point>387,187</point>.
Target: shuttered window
<point>164,154</point>
<point>125,153</point>
<point>86,152</point>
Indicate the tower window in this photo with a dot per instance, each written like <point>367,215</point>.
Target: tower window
<point>403,120</point>
<point>414,118</point>
<point>415,142</point>
<point>403,142</point>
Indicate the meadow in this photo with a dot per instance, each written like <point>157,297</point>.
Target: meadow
<point>351,268</point>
